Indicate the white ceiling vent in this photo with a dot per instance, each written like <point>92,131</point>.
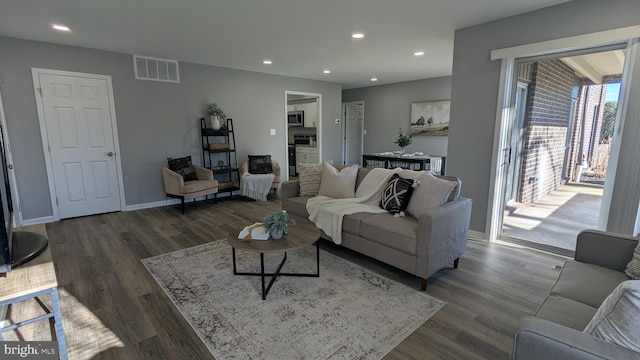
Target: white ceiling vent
<point>148,68</point>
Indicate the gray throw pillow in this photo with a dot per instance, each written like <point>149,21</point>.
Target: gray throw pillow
<point>617,320</point>
<point>633,267</point>
<point>430,192</point>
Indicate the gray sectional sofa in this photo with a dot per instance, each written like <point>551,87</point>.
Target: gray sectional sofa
<point>556,331</point>
<point>419,246</point>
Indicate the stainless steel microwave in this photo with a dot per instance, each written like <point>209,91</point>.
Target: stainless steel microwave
<point>295,118</point>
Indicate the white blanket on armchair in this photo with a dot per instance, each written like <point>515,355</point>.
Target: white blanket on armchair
<point>327,213</point>
<point>256,186</point>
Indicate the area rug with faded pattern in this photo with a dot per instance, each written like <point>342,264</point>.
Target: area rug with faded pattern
<point>348,312</point>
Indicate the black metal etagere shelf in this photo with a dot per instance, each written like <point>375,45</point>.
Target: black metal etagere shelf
<point>219,155</point>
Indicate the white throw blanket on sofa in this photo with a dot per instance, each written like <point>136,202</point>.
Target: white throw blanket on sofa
<point>327,212</point>
<point>256,186</point>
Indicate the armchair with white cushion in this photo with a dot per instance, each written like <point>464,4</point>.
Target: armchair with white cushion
<point>246,178</point>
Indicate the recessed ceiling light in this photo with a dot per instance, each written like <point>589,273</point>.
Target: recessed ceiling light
<point>327,71</point>
<point>267,62</point>
<point>374,79</point>
<point>61,27</point>
<point>418,53</point>
<point>357,35</point>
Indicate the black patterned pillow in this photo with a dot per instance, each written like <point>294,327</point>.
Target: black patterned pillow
<point>396,194</point>
<point>260,164</point>
<point>184,167</point>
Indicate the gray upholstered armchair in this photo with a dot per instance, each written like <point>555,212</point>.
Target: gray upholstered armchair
<point>176,187</point>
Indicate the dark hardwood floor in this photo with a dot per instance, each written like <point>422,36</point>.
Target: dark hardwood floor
<point>97,260</point>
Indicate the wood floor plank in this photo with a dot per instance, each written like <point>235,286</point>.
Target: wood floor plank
<point>98,257</point>
<point>169,322</point>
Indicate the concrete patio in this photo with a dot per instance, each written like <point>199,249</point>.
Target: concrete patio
<point>557,218</point>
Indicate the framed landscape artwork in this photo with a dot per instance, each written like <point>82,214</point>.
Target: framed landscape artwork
<point>430,118</point>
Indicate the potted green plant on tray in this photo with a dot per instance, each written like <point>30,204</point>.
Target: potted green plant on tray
<point>277,223</point>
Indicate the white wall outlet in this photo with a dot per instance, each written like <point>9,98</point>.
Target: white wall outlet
<point>364,132</point>
<point>338,121</point>
<point>273,131</point>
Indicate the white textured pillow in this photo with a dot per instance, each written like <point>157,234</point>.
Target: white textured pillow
<point>310,177</point>
<point>618,319</point>
<point>430,192</point>
<point>633,267</point>
<point>338,184</point>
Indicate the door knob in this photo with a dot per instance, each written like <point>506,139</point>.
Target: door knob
<point>110,153</point>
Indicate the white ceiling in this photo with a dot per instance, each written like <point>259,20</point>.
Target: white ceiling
<point>302,37</point>
<point>595,66</point>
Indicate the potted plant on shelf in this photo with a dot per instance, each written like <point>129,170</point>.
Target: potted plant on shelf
<point>277,223</point>
<point>403,140</point>
<point>217,115</point>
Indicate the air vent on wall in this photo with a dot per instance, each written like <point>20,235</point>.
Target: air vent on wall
<point>148,68</point>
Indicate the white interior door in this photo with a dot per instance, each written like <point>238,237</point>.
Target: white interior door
<point>80,140</point>
<point>354,124</point>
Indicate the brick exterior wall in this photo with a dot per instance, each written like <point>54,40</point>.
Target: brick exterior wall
<point>547,119</point>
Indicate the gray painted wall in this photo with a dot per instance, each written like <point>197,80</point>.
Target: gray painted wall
<point>388,107</point>
<point>155,120</point>
<point>475,81</point>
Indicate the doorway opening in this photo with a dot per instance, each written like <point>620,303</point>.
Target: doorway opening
<point>303,130</point>
<point>560,141</point>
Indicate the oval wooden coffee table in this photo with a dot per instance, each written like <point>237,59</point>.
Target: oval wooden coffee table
<point>303,233</point>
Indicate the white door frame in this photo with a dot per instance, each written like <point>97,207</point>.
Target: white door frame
<point>504,110</point>
<point>515,161</point>
<point>36,72</point>
<point>344,129</point>
<point>286,127</point>
<point>17,209</point>
<point>499,158</point>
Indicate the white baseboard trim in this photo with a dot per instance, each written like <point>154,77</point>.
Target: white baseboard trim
<point>476,235</point>
<point>153,204</point>
<point>168,201</point>
<point>149,205</point>
<point>36,221</point>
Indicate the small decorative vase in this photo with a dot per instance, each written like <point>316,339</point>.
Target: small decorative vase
<point>401,150</point>
<point>276,233</point>
<point>215,122</point>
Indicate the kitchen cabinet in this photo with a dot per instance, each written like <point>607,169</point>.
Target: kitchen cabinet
<point>307,154</point>
<point>310,108</point>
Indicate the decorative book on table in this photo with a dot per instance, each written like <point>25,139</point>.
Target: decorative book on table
<point>254,232</point>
